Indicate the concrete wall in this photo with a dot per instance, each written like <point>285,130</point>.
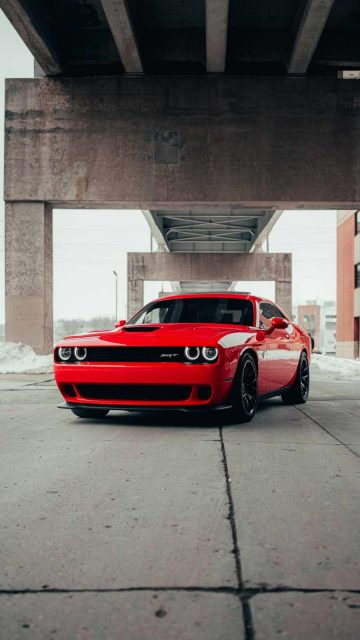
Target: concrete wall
<point>155,142</point>
<point>218,267</point>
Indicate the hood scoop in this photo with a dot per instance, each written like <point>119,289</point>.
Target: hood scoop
<point>140,328</point>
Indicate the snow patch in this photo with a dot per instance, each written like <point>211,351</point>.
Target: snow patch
<point>16,357</point>
<point>343,367</point>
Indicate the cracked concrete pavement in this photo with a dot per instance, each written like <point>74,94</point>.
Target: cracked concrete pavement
<point>176,526</point>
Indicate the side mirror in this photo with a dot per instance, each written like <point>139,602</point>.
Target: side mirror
<point>119,323</point>
<point>312,342</point>
<point>277,323</point>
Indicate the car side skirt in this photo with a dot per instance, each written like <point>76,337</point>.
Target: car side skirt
<point>273,394</point>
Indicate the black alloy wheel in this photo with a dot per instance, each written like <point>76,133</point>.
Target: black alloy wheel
<point>245,389</point>
<point>299,392</point>
<point>90,413</point>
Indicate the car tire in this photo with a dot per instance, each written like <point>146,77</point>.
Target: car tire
<point>90,413</point>
<point>244,394</point>
<point>299,392</point>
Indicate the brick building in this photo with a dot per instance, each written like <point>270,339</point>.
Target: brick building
<point>348,284</point>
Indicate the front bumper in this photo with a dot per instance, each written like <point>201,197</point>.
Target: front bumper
<point>73,377</point>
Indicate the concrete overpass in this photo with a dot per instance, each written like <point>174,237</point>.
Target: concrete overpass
<point>210,116</point>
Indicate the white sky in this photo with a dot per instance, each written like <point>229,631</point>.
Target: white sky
<point>89,245</point>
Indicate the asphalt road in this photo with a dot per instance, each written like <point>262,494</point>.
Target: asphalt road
<point>167,527</point>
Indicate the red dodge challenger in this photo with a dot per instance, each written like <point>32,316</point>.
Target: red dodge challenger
<point>196,351</point>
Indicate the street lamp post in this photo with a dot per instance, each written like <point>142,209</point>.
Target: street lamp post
<point>116,295</point>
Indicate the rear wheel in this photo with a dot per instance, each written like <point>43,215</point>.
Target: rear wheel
<point>245,390</point>
<point>299,392</point>
<point>90,413</point>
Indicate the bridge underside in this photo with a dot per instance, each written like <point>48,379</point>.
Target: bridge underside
<point>102,37</point>
<point>227,229</point>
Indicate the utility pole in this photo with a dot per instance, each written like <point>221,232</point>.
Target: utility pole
<point>116,295</point>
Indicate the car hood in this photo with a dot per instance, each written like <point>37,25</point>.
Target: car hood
<point>176,335</point>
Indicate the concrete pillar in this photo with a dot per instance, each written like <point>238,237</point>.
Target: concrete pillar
<point>283,296</point>
<point>135,296</point>
<point>283,285</point>
<point>29,275</point>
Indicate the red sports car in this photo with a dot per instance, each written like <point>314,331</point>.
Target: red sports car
<point>196,351</point>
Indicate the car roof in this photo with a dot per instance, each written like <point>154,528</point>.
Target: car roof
<point>212,294</point>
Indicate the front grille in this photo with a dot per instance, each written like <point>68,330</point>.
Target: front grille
<point>135,354</point>
<point>142,392</point>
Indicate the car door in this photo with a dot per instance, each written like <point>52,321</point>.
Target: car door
<point>277,366</point>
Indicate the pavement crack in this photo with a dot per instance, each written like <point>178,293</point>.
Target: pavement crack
<point>244,593</point>
<point>327,431</point>
<point>254,591</point>
<point>58,590</point>
<point>244,599</point>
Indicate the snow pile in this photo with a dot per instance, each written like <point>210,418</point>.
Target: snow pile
<point>20,358</point>
<point>338,366</point>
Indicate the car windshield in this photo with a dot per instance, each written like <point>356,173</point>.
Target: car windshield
<point>195,310</point>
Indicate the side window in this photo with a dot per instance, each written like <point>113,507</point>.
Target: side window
<point>268,311</point>
<point>154,315</point>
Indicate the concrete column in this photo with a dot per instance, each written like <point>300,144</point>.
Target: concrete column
<point>283,296</point>
<point>29,275</point>
<point>135,296</point>
<point>283,285</point>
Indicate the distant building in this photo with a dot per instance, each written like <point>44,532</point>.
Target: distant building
<point>328,327</point>
<point>320,321</point>
<point>348,284</point>
<point>309,318</point>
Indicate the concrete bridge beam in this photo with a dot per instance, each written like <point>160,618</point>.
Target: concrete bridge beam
<point>219,267</point>
<point>35,40</point>
<point>183,143</point>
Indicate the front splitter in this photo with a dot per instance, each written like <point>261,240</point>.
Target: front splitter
<point>112,407</point>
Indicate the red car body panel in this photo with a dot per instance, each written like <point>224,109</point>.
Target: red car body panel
<point>277,356</point>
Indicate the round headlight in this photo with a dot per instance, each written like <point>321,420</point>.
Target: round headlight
<point>80,353</point>
<point>192,353</point>
<point>210,353</point>
<point>64,353</point>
